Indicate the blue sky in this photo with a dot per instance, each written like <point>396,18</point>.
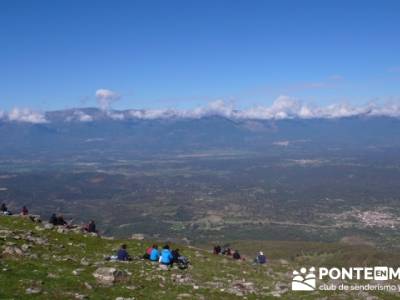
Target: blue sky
<point>56,54</point>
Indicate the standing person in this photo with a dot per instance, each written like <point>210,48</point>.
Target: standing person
<point>154,254</point>
<point>123,254</point>
<point>24,211</point>
<point>166,256</point>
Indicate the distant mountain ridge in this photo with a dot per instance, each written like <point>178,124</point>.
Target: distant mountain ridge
<point>112,132</point>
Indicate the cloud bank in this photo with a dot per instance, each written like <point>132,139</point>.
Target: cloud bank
<point>284,107</point>
<point>25,115</point>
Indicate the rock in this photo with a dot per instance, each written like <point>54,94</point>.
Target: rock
<point>52,275</point>
<point>109,276</point>
<point>13,250</point>
<point>283,262</point>
<point>25,247</point>
<point>88,286</point>
<point>48,226</point>
<point>33,290</point>
<point>122,298</point>
<point>61,230</point>
<point>84,262</point>
<point>39,228</point>
<point>5,233</point>
<point>35,218</point>
<point>80,296</point>
<point>77,272</point>
<point>163,267</point>
<point>137,236</point>
<point>183,296</point>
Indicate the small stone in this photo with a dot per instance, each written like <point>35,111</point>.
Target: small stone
<point>85,262</point>
<point>33,290</point>
<point>25,247</point>
<point>48,226</point>
<point>137,236</point>
<point>88,286</point>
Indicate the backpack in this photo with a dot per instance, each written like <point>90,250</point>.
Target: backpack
<point>183,262</point>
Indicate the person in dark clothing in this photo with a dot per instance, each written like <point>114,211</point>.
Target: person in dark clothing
<point>217,249</point>
<point>24,211</point>
<point>260,259</point>
<point>181,261</point>
<point>175,255</point>
<point>227,251</point>
<point>61,221</point>
<point>4,210</point>
<point>53,219</point>
<point>122,254</point>
<point>92,226</point>
<point>236,255</point>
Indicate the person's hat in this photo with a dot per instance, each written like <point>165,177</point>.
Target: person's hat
<point>261,253</point>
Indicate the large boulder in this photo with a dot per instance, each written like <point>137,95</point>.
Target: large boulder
<point>109,276</point>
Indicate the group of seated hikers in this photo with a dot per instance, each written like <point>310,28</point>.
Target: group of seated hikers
<point>164,257</point>
<point>60,221</point>
<point>226,250</point>
<point>5,211</point>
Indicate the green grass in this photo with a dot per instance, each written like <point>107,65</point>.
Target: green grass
<point>212,275</point>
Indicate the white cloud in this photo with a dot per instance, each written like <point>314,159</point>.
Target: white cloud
<point>105,97</point>
<point>26,115</point>
<point>79,115</point>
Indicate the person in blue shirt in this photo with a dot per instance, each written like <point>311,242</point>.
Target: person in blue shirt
<point>166,256</point>
<point>122,254</point>
<point>260,259</point>
<point>154,254</point>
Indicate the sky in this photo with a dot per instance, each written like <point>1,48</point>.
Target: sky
<point>184,54</point>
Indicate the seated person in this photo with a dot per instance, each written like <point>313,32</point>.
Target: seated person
<point>227,251</point>
<point>260,259</point>
<point>122,254</point>
<point>4,210</point>
<point>148,252</point>
<point>217,249</point>
<point>61,221</point>
<point>175,255</point>
<point>24,211</point>
<point>154,254</point>
<point>236,255</point>
<point>53,219</point>
<point>166,256</point>
<point>91,227</point>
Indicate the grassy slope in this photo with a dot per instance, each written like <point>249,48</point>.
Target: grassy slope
<point>213,275</point>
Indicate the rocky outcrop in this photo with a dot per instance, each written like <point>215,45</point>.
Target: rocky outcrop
<point>109,276</point>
